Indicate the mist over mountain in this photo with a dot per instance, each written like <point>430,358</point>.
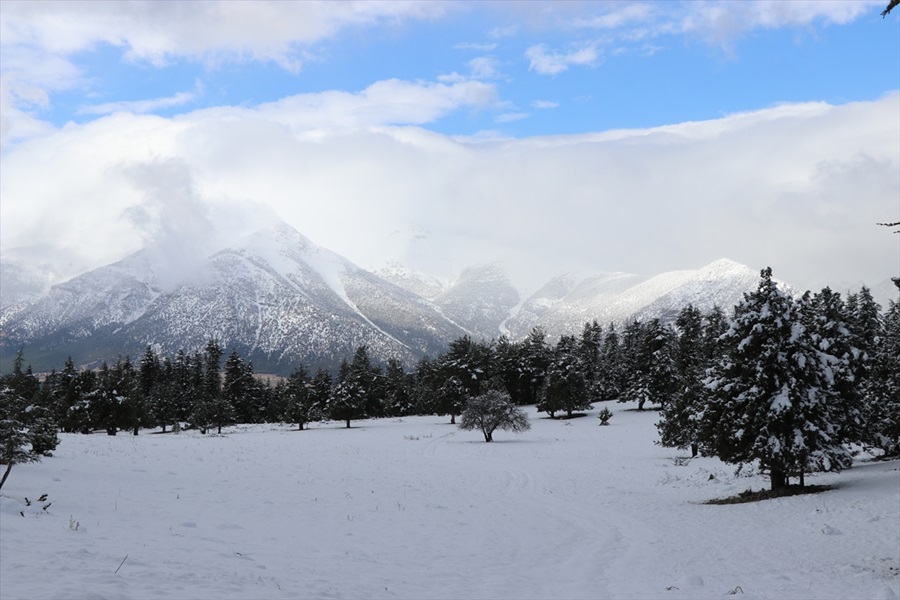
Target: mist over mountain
<point>281,300</point>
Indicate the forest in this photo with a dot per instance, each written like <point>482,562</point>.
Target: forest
<point>795,383</point>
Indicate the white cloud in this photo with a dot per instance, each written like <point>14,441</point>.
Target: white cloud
<point>618,15</point>
<point>478,47</point>
<point>544,104</point>
<point>138,106</point>
<point>39,39</point>
<point>797,187</point>
<point>484,67</point>
<point>385,102</point>
<point>722,22</point>
<point>510,117</point>
<point>548,62</point>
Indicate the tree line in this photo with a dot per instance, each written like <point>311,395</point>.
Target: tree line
<point>789,382</point>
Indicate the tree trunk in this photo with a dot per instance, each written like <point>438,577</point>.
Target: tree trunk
<point>220,428</point>
<point>802,479</point>
<point>695,449</point>
<point>488,436</point>
<point>641,404</point>
<point>348,424</point>
<point>778,479</point>
<point>301,425</point>
<point>111,430</point>
<point>164,427</point>
<point>136,427</point>
<point>6,473</point>
<point>452,419</point>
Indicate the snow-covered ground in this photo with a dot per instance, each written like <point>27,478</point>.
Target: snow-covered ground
<point>416,508</point>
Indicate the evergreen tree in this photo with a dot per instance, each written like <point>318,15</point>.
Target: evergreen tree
<point>565,385</point>
<point>321,392</point>
<point>300,406</point>
<point>678,426</point>
<point>610,373</point>
<point>882,388</point>
<point>165,396</point>
<point>399,398</point>
<point>589,346</point>
<point>218,405</point>
<point>766,400</point>
<point>649,354</point>
<point>534,359</point>
<point>240,391</point>
<point>198,394</point>
<point>347,400</point>
<point>27,419</point>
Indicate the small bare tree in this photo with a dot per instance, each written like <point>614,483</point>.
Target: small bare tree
<point>491,411</point>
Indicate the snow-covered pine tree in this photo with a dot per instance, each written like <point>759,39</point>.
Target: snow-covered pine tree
<point>565,385</point>
<point>610,372</point>
<point>769,395</point>
<point>300,402</point>
<point>678,426</point>
<point>27,425</point>
<point>399,398</point>
<point>534,359</point>
<point>826,320</point>
<point>882,388</point>
<point>347,399</point>
<point>652,372</point>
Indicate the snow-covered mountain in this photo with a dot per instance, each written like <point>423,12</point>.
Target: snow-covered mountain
<point>281,300</point>
<point>480,300</point>
<point>275,296</point>
<point>567,302</point>
<point>413,281</point>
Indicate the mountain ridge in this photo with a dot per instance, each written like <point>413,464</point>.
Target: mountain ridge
<point>281,300</point>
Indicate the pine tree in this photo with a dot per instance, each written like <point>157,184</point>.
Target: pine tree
<point>768,397</point>
<point>535,358</point>
<point>398,387</point>
<point>882,388</point>
<point>27,423</point>
<point>565,385</point>
<point>347,399</point>
<point>610,372</point>
<point>649,354</point>
<point>678,426</point>
<point>300,406</point>
<point>220,411</point>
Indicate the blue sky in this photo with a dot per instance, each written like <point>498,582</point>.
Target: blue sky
<point>661,79</point>
<point>370,126</point>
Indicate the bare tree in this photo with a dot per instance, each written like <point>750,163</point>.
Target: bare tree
<point>491,411</point>
<point>891,6</point>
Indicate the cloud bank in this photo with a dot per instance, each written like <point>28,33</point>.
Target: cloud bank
<point>798,187</point>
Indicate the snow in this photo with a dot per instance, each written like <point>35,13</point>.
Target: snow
<point>416,508</point>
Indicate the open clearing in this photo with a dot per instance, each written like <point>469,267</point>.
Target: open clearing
<point>415,508</point>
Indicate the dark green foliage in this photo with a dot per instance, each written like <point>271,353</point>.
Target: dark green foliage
<point>300,398</point>
<point>347,399</point>
<point>678,424</point>
<point>882,388</point>
<point>649,356</point>
<point>399,390</point>
<point>771,398</point>
<point>565,385</point>
<point>27,419</point>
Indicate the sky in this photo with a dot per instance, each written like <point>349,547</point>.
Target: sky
<point>548,136</point>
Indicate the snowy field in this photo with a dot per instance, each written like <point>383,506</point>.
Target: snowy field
<point>416,508</point>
